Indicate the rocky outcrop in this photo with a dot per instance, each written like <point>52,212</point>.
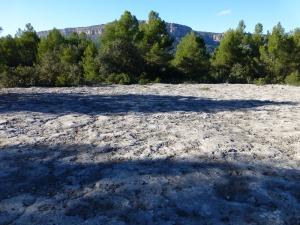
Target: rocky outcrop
<point>150,154</point>
<point>91,30</point>
<point>177,31</point>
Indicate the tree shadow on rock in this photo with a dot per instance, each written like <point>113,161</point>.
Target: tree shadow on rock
<point>61,184</point>
<point>106,104</point>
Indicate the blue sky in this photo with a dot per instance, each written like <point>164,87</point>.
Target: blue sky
<point>201,15</point>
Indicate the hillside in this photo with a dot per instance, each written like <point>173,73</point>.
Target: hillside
<point>177,31</point>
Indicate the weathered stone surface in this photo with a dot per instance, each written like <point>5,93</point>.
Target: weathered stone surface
<point>153,154</point>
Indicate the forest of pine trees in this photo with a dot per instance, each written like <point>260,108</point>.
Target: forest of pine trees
<point>133,52</point>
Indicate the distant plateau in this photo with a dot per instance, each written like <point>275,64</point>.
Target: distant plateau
<point>177,31</point>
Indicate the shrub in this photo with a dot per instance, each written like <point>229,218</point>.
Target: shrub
<point>293,78</point>
<point>49,69</point>
<point>6,80</point>
<point>260,81</point>
<point>21,76</point>
<point>237,74</point>
<point>71,76</point>
<point>143,79</point>
<point>124,78</point>
<point>157,80</point>
<point>118,79</point>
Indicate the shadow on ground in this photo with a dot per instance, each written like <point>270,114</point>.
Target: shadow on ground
<point>95,104</point>
<point>79,184</point>
<point>62,185</point>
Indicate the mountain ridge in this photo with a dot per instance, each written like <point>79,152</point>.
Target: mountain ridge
<point>176,31</point>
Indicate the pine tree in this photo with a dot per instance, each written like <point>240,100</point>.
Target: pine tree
<point>89,63</point>
<point>276,54</point>
<point>155,45</point>
<point>52,43</point>
<point>28,46</point>
<point>230,60</point>
<point>10,55</point>
<point>119,53</point>
<point>192,59</point>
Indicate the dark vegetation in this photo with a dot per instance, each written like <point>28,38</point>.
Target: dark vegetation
<point>131,52</point>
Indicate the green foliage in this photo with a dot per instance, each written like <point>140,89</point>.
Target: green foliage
<point>237,74</point>
<point>154,31</point>
<point>118,79</point>
<point>294,37</point>
<point>9,52</point>
<point>237,59</point>
<point>260,81</point>
<point>6,78</point>
<point>50,68</point>
<point>125,29</point>
<point>62,60</point>
<point>53,42</point>
<point>70,76</point>
<point>293,78</point>
<point>157,80</point>
<point>21,50</point>
<point>27,42</point>
<point>133,52</point>
<point>276,54</point>
<point>240,56</point>
<point>155,45</point>
<point>18,77</point>
<point>191,58</point>
<point>253,64</point>
<point>70,55</point>
<point>143,79</point>
<point>73,39</point>
<point>124,79</point>
<point>89,63</point>
<point>229,52</point>
<point>119,52</point>
<point>120,57</point>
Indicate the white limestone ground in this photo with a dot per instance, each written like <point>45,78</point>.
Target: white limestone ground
<point>155,154</point>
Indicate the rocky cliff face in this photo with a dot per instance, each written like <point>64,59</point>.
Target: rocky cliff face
<point>177,31</point>
<point>93,32</point>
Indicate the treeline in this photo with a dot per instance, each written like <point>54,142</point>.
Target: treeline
<point>131,52</point>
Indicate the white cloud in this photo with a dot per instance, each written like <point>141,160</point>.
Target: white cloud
<point>225,12</point>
